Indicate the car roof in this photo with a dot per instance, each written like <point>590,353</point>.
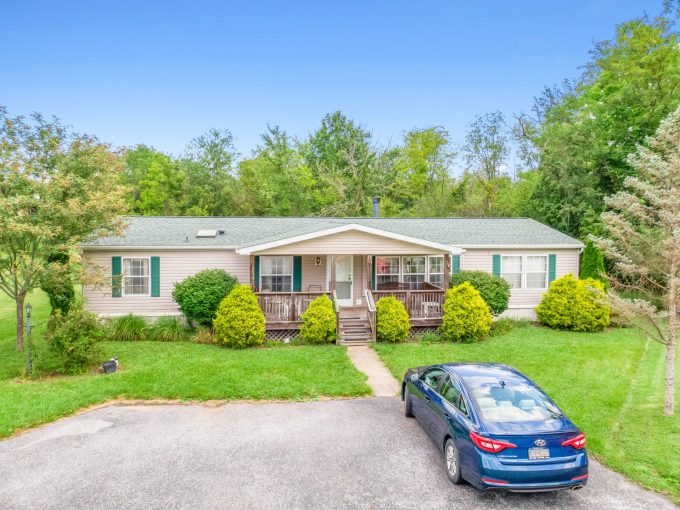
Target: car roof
<point>481,374</point>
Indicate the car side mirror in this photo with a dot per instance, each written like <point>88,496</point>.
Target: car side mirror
<point>414,377</point>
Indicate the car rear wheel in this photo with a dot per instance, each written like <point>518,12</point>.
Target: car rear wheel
<point>408,410</point>
<point>452,461</point>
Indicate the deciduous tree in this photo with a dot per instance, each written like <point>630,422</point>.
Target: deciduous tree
<point>56,189</point>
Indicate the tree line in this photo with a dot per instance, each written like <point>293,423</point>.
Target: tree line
<point>554,163</point>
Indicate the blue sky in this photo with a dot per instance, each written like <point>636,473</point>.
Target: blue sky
<point>162,73</point>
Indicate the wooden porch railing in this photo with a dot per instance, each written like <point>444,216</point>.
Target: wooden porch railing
<point>420,304</point>
<point>286,306</point>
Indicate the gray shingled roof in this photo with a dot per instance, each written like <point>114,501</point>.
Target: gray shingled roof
<point>178,231</point>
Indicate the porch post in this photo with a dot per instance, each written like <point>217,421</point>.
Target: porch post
<point>332,257</point>
<point>369,272</point>
<point>252,272</point>
<point>447,270</point>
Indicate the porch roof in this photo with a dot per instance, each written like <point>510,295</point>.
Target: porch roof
<point>180,232</point>
<point>307,235</point>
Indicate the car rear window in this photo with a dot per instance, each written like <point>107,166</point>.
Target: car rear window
<point>514,402</point>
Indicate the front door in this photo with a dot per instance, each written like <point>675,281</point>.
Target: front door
<point>343,279</point>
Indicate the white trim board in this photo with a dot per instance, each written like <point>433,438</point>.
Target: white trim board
<point>152,248</point>
<point>248,250</point>
<point>521,246</point>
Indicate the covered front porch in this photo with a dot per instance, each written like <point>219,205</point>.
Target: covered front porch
<point>355,266</point>
<point>286,285</point>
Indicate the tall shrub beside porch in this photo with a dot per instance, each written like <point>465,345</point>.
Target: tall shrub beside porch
<point>466,316</point>
<point>392,320</point>
<point>318,322</point>
<point>239,321</point>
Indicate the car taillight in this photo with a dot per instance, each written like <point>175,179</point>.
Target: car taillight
<point>577,442</point>
<point>490,445</point>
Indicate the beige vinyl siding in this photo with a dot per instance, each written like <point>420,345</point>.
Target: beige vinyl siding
<point>313,274</point>
<point>350,243</point>
<point>175,265</point>
<point>566,261</point>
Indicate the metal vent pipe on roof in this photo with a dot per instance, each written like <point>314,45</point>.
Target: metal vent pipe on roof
<point>376,207</point>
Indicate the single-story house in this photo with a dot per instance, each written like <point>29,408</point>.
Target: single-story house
<point>290,261</point>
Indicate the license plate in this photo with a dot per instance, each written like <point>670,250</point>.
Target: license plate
<point>539,453</point>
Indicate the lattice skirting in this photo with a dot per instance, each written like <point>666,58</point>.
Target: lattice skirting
<point>419,330</point>
<point>282,335</point>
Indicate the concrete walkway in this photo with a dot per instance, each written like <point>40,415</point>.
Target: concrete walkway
<point>379,378</point>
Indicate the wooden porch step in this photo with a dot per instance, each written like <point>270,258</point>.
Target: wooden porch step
<point>354,328</point>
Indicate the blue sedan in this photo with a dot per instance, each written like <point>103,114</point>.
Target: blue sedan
<point>497,429</point>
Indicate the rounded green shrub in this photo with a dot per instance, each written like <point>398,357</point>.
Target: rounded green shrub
<point>577,305</point>
<point>494,290</point>
<point>466,316</point>
<point>168,329</point>
<point>392,320</point>
<point>239,322</point>
<point>198,296</point>
<point>128,328</point>
<point>318,322</point>
<point>72,340</point>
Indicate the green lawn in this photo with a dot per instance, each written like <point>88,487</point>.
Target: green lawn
<point>180,370</point>
<point>610,384</point>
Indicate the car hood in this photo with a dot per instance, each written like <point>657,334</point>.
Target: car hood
<point>530,427</point>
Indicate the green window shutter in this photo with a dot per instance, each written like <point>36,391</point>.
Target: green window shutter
<point>256,270</point>
<point>552,262</point>
<point>373,270</point>
<point>297,274</point>
<point>455,264</point>
<point>116,269</point>
<point>155,276</point>
<point>496,265</point>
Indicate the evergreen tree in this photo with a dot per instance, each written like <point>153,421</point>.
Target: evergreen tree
<point>592,263</point>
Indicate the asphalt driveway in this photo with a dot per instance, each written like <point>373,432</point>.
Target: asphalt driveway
<point>331,454</point>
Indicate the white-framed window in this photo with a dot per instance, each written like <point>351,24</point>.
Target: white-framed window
<point>136,276</point>
<point>511,270</point>
<point>387,270</point>
<point>276,274</point>
<point>536,272</point>
<point>414,270</point>
<point>435,270</point>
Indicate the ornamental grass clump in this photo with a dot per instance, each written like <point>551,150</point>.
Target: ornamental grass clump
<point>576,305</point>
<point>128,328</point>
<point>318,322</point>
<point>466,316</point>
<point>392,320</point>
<point>168,329</point>
<point>239,321</point>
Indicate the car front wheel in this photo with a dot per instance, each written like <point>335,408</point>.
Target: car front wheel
<point>408,410</point>
<point>452,461</point>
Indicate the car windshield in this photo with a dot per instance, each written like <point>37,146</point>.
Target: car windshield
<point>501,402</point>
